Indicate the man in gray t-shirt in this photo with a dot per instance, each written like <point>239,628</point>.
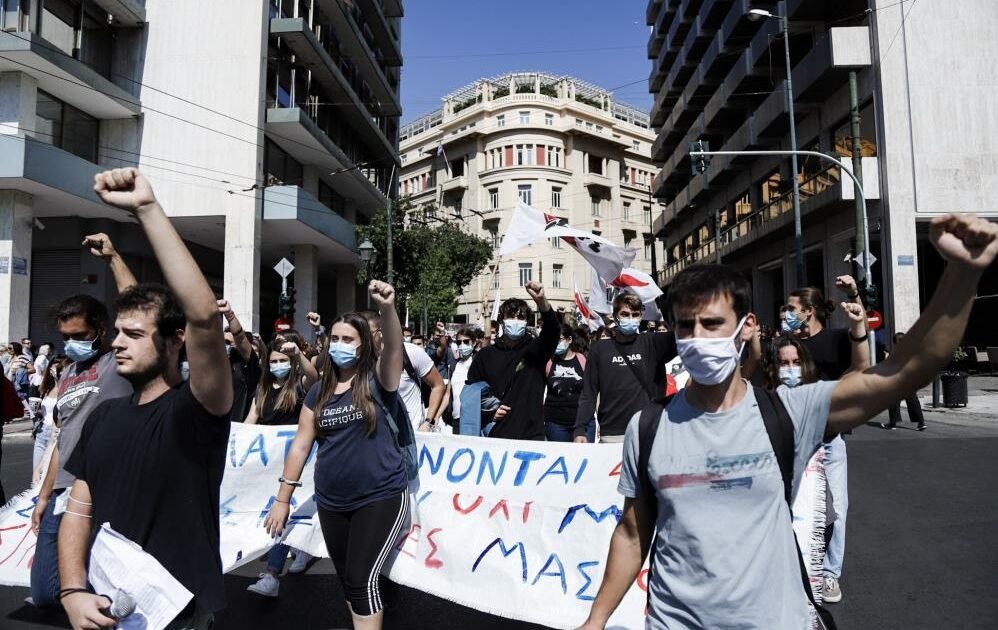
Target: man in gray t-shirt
<point>720,493</point>
<point>724,551</point>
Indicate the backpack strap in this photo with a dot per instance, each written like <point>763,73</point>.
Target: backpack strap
<point>407,365</point>
<point>780,429</point>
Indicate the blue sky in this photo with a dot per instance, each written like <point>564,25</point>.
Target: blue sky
<point>449,43</point>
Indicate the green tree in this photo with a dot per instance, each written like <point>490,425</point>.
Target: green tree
<point>430,257</point>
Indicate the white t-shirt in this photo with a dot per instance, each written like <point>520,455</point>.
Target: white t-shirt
<point>457,381</point>
<point>41,364</point>
<point>408,389</point>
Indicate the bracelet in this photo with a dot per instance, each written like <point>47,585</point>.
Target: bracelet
<point>69,591</point>
<point>276,500</point>
<point>293,484</point>
<point>852,296</point>
<point>860,339</point>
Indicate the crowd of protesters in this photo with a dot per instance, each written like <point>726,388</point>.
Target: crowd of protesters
<point>132,421</point>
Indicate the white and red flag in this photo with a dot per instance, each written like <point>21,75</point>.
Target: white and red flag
<point>528,226</point>
<point>638,283</point>
<point>588,314</point>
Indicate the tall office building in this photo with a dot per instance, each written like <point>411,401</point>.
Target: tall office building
<point>561,145</point>
<point>926,108</point>
<point>268,129</point>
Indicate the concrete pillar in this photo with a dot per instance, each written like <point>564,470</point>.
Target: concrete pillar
<point>346,288</point>
<point>306,282</point>
<point>16,218</point>
<point>18,103</point>
<point>243,231</point>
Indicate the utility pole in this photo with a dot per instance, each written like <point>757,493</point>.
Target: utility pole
<point>798,238</point>
<point>857,169</point>
<point>651,232</point>
<point>390,260</point>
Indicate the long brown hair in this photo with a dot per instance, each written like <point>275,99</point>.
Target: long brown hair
<point>287,393</point>
<point>808,370</point>
<point>49,382</point>
<point>362,399</point>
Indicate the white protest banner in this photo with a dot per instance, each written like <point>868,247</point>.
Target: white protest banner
<point>517,529</point>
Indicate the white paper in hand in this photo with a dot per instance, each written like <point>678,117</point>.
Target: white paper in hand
<point>117,563</point>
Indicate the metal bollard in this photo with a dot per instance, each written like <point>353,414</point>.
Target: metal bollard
<point>936,388</point>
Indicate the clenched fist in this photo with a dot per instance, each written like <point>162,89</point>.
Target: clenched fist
<point>124,188</point>
<point>965,240</point>
<point>382,293</point>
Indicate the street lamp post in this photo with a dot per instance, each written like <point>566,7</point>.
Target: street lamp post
<point>758,14</point>
<point>367,255</point>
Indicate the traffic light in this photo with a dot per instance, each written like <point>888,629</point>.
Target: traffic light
<point>871,296</point>
<point>699,163</point>
<point>286,302</point>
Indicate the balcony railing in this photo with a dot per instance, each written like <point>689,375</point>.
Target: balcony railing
<point>823,180</point>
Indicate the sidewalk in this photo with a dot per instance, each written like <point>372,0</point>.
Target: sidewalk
<point>982,399</point>
<point>19,428</point>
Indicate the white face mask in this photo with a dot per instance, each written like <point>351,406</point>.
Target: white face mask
<point>710,360</point>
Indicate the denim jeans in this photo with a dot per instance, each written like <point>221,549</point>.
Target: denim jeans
<point>276,557</point>
<point>41,441</point>
<point>836,471</point>
<point>45,566</point>
<point>555,432</point>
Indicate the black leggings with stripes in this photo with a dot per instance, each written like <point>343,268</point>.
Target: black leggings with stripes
<point>359,542</point>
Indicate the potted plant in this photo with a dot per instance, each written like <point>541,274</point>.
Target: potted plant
<point>954,381</point>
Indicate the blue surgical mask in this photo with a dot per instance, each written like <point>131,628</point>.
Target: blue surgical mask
<point>793,322</point>
<point>514,328</point>
<point>81,350</point>
<point>465,351</point>
<point>790,375</point>
<point>562,348</point>
<point>628,325</point>
<point>343,354</point>
<point>185,370</point>
<point>280,370</point>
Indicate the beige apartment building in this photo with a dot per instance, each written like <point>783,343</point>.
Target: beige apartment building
<point>561,145</point>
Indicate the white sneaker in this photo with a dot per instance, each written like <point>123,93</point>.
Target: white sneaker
<point>300,562</point>
<point>267,585</point>
<point>832,593</point>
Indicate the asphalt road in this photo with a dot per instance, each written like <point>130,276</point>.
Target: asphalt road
<point>921,550</point>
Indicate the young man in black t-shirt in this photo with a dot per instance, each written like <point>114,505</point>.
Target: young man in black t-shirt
<point>151,465</point>
<point>623,373</point>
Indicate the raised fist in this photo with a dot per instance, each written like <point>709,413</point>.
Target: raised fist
<point>535,290</point>
<point>225,309</point>
<point>290,348</point>
<point>846,284</point>
<point>965,240</point>
<point>853,311</point>
<point>100,245</point>
<point>382,293</point>
<point>124,188</point>
<point>313,319</point>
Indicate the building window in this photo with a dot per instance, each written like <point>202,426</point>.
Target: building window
<point>494,198</point>
<point>595,206</point>
<point>523,193</point>
<point>526,273</point>
<point>457,167</point>
<point>556,197</point>
<point>525,118</point>
<point>524,154</point>
<point>635,145</point>
<point>647,215</point>
<point>281,168</point>
<point>627,210</point>
<point>648,245</point>
<point>549,120</point>
<point>501,120</point>
<point>628,238</point>
<point>554,156</point>
<point>495,277</point>
<point>66,127</point>
<point>556,276</point>
<point>556,242</point>
<point>595,164</point>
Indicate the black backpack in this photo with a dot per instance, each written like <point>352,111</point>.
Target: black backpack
<point>779,428</point>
